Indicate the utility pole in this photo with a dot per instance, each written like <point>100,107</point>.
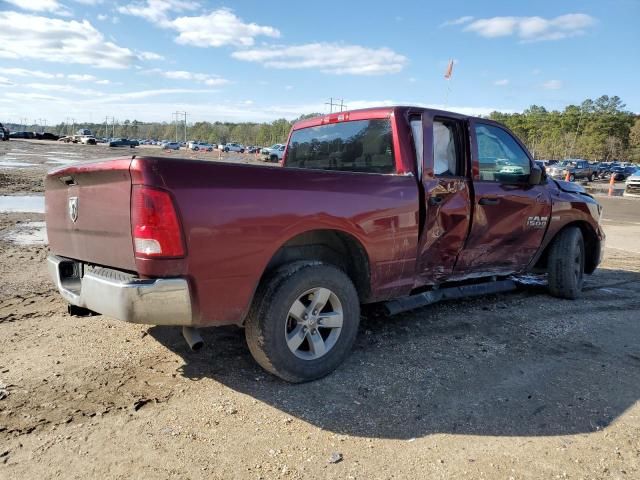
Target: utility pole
<point>183,116</point>
<point>336,104</point>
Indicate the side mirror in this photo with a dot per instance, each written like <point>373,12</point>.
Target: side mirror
<point>536,175</point>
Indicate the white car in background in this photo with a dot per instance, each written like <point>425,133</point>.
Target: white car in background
<point>234,147</point>
<point>196,146</point>
<point>170,146</point>
<point>274,153</point>
<point>632,185</point>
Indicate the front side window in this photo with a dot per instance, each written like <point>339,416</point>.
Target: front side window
<point>357,146</point>
<point>501,158</point>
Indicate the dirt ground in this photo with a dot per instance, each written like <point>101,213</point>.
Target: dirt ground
<point>519,385</point>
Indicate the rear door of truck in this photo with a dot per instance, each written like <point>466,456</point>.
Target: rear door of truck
<point>443,155</point>
<point>88,213</point>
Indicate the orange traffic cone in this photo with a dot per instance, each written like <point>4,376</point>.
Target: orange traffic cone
<point>612,183</point>
<point>567,178</point>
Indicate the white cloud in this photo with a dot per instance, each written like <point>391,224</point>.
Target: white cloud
<point>39,6</point>
<point>457,21</point>
<point>103,82</point>
<point>333,58</point>
<point>153,93</point>
<point>206,78</point>
<point>5,81</point>
<point>81,78</point>
<point>533,29</point>
<point>23,72</point>
<point>503,82</point>
<point>214,29</point>
<point>552,84</point>
<point>156,11</point>
<point>218,28</point>
<point>149,56</point>
<point>56,40</point>
<point>52,87</point>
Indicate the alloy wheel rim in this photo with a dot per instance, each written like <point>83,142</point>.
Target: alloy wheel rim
<point>314,323</point>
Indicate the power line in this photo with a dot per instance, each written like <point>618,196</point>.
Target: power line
<point>183,116</point>
<point>341,105</point>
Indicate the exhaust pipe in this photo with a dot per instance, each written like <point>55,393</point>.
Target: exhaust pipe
<point>193,338</point>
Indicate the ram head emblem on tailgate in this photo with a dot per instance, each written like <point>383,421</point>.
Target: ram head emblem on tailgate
<point>73,209</point>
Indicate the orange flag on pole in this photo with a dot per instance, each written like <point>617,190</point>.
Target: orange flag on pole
<point>449,71</point>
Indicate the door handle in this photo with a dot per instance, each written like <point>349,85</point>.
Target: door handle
<point>435,200</point>
<point>489,201</point>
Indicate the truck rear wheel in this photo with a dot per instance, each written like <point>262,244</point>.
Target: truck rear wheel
<point>566,264</point>
<point>303,322</point>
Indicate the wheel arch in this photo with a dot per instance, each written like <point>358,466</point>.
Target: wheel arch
<point>331,246</point>
<point>591,244</point>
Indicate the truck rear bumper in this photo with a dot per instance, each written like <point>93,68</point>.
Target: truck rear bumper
<point>161,301</point>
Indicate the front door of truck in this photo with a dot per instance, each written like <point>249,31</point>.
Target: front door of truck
<point>445,186</point>
<point>510,216</point>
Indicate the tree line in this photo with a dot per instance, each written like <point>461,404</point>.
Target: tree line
<point>600,129</point>
<point>247,133</point>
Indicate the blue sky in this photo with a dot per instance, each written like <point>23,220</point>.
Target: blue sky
<point>258,60</point>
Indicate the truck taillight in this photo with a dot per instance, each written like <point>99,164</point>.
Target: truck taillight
<point>154,224</point>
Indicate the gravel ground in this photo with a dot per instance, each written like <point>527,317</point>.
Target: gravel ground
<point>520,385</point>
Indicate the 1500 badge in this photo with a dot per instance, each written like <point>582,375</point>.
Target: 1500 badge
<point>536,222</point>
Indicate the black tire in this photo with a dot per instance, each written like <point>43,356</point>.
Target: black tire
<point>572,178</point>
<point>566,264</point>
<point>226,150</point>
<point>590,177</point>
<point>273,158</point>
<point>266,324</point>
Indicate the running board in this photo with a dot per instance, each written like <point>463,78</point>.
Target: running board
<point>403,304</point>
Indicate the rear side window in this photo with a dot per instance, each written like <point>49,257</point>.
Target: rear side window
<point>358,146</point>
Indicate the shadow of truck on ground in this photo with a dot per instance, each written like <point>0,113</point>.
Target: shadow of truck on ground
<point>518,364</point>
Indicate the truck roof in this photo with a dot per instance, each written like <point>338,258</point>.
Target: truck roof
<point>372,112</point>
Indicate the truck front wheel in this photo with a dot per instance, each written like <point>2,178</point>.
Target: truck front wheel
<point>304,321</point>
<point>566,264</point>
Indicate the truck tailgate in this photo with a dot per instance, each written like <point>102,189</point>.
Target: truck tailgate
<point>88,213</point>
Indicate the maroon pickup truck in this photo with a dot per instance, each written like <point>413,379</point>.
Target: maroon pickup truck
<point>400,205</point>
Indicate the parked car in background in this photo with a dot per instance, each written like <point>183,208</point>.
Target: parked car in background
<point>274,153</point>
<point>26,135</point>
<point>170,146</point>
<point>200,146</point>
<point>5,132</point>
<point>618,174</point>
<point>88,140</point>
<point>123,142</point>
<point>574,168</point>
<point>632,184</point>
<point>290,253</point>
<point>234,147</point>
<point>253,149</point>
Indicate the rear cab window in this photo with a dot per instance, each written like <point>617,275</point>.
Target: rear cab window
<point>353,146</point>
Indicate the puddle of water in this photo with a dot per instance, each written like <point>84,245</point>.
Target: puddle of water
<point>22,203</point>
<point>61,161</point>
<point>73,154</point>
<point>16,164</point>
<point>28,233</point>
